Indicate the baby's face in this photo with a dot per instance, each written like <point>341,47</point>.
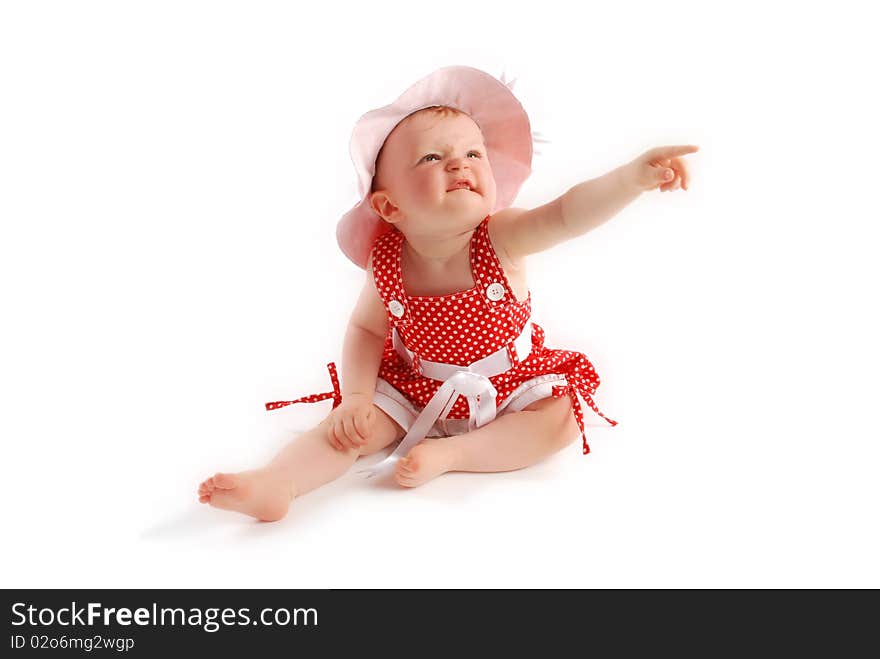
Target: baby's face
<point>421,161</point>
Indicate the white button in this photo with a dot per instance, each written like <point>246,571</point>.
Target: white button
<point>396,308</point>
<point>495,291</point>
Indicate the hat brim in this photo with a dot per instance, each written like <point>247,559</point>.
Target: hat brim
<point>489,102</point>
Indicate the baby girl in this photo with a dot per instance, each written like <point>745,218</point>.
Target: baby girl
<point>440,351</point>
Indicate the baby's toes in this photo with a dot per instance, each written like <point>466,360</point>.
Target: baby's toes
<point>405,481</point>
<point>225,481</point>
<point>407,471</point>
<point>405,466</point>
<point>410,464</point>
<point>205,490</point>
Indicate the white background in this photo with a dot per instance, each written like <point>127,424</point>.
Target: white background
<point>170,178</point>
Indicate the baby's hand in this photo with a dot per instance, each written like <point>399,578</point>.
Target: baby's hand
<point>660,167</point>
<point>351,423</point>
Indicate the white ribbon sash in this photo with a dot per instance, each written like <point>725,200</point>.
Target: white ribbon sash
<point>480,395</point>
<point>472,382</point>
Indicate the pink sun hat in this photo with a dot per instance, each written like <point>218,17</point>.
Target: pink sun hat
<point>488,101</point>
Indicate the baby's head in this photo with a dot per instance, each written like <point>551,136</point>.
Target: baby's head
<point>418,166</point>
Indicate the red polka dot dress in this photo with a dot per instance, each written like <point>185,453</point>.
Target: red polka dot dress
<point>463,328</point>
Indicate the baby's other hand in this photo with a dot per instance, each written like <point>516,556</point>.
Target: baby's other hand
<point>351,423</point>
<point>661,167</point>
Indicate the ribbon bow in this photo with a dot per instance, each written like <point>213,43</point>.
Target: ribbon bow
<point>480,395</point>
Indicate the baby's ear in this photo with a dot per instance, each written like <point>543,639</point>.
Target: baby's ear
<point>384,207</point>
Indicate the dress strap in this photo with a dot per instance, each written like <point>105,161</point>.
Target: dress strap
<point>488,273</point>
<point>387,274</point>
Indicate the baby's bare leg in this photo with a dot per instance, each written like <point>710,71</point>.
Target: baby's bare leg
<point>305,463</point>
<point>310,461</point>
<point>512,441</point>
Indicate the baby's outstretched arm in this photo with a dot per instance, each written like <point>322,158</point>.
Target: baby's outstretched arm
<point>520,232</point>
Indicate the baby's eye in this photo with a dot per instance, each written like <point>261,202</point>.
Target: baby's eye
<point>476,152</point>
<point>430,155</point>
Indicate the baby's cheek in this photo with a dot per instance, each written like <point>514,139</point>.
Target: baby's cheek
<point>426,187</point>
<point>487,176</point>
<point>489,189</point>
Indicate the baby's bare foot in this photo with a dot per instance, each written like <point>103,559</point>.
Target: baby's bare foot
<point>259,493</point>
<point>425,461</point>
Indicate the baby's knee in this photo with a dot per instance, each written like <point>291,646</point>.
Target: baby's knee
<point>558,427</point>
<point>384,431</point>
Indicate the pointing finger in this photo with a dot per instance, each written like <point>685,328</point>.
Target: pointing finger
<point>664,152</point>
